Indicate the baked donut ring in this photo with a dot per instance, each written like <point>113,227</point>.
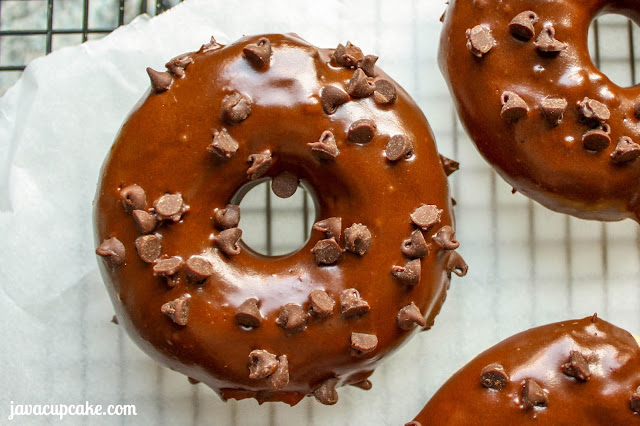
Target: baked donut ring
<point>537,108</point>
<point>375,269</point>
<point>584,372</point>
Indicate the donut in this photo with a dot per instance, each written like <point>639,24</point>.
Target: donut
<point>537,108</point>
<point>375,269</point>
<point>584,372</point>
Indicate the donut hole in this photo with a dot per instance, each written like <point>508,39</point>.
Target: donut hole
<point>274,226</point>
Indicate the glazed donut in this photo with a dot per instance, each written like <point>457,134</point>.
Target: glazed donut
<point>537,108</point>
<point>584,372</point>
<point>375,269</point>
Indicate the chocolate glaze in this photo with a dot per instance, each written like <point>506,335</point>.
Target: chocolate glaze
<point>540,354</point>
<point>544,161</point>
<point>163,148</point>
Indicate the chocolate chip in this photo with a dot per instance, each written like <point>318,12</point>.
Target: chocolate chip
<point>114,320</point>
<point>223,145</point>
<point>493,376</point>
<point>446,238</point>
<point>227,241</point>
<point>284,185</point>
<point>112,251</point>
<point>145,221</point>
<point>321,304</point>
<point>634,401</point>
<point>331,97</point>
<point>364,385</point>
<point>522,25</point>
<point>368,65</point>
<point>547,43</point>
<point>258,164</point>
<point>280,377</point>
<point>262,364</point>
<point>577,367</point>
<point>448,165</point>
<point>177,65</point>
<point>513,107</point>
<point>409,274</point>
<point>351,304</point>
<point>409,317</point>
<point>193,381</point>
<point>212,45</point>
<point>636,110</point>
<point>332,227</point>
<point>133,198</point>
<point>326,393</point>
<point>362,343</point>
<point>361,131</point>
<point>347,56</point>
<point>148,247</point>
<point>626,151</point>
<point>160,81</point>
<point>399,146</point>
<point>553,109</point>
<point>593,111</point>
<point>248,314</point>
<point>235,108</point>
<point>327,252</point>
<point>426,216</point>
<point>357,238</point>
<point>415,246</point>
<point>177,309</point>
<point>456,264</point>
<point>198,269</point>
<point>292,318</point>
<point>170,207</point>
<point>385,92</point>
<point>533,395</point>
<point>168,268</point>
<point>226,218</point>
<point>597,139</point>
<point>480,40</point>
<point>326,148</point>
<point>359,86</point>
<point>259,53</point>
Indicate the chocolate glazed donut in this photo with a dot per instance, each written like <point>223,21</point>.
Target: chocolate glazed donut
<point>552,125</point>
<point>580,372</point>
<point>377,265</point>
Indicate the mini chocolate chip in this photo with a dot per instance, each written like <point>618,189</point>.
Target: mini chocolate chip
<point>321,303</point>
<point>626,151</point>
<point>448,165</point>
<point>327,252</point>
<point>493,376</point>
<point>362,343</point>
<point>235,108</point>
<point>258,164</point>
<point>168,268</point>
<point>456,264</point>
<point>553,109</point>
<point>280,377</point>
<point>409,274</point>
<point>409,317</point>
<point>114,320</point>
<point>547,43</point>
<point>357,238</point>
<point>326,148</point>
<point>332,227</point>
<point>226,218</point>
<point>178,65</point>
<point>262,364</point>
<point>248,313</point>
<point>198,269</point>
<point>364,385</point>
<point>513,107</point>
<point>533,395</point>
<point>597,139</point>
<point>592,110</point>
<point>223,145</point>
<point>359,86</point>
<point>634,401</point>
<point>426,216</point>
<point>227,241</point>
<point>361,131</point>
<point>577,367</point>
<point>398,147</point>
<point>326,393</point>
<point>193,381</point>
<point>385,92</point>
<point>446,238</point>
<point>145,221</point>
<point>522,25</point>
<point>292,318</point>
<point>347,56</point>
<point>259,53</point>
<point>160,81</point>
<point>284,185</point>
<point>148,247</point>
<point>331,97</point>
<point>177,309</point>
<point>133,198</point>
<point>480,40</point>
<point>351,304</point>
<point>415,246</point>
<point>212,45</point>
<point>368,65</point>
<point>112,251</point>
<point>170,207</point>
